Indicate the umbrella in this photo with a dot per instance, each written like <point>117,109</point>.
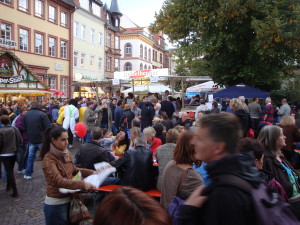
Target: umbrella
<point>56,92</point>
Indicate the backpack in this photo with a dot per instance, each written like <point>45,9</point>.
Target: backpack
<point>270,209</point>
<point>173,207</point>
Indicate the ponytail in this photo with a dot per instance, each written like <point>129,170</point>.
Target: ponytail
<point>49,133</point>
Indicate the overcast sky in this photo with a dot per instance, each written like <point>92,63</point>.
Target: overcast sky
<point>140,12</point>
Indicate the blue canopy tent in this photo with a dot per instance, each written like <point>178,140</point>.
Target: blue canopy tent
<point>241,90</point>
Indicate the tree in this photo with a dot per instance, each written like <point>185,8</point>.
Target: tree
<point>252,41</point>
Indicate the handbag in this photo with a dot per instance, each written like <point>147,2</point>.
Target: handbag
<point>173,208</point>
<point>78,211</point>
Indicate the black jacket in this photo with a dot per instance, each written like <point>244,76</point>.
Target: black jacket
<point>245,120</point>
<point>167,107</point>
<point>226,204</point>
<point>147,114</point>
<point>90,154</point>
<point>187,124</point>
<point>129,115</point>
<point>273,166</point>
<point>137,166</point>
<point>35,123</point>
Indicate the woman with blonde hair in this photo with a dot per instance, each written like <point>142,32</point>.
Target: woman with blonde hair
<point>292,134</point>
<point>273,140</point>
<point>237,107</point>
<point>134,133</point>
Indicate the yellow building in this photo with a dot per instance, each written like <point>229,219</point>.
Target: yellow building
<point>40,34</point>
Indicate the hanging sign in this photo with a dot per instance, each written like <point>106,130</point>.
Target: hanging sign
<point>11,80</point>
<point>153,79</point>
<point>115,82</point>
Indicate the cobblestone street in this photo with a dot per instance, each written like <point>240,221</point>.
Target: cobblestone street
<point>28,207</point>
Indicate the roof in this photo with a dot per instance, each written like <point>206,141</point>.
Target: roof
<point>69,2</point>
<point>241,90</point>
<point>114,7</point>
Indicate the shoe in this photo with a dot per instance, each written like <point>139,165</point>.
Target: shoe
<point>21,171</point>
<point>70,146</point>
<point>27,177</point>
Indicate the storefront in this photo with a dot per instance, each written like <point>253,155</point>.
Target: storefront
<point>17,81</point>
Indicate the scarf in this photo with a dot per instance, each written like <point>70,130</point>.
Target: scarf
<point>60,154</point>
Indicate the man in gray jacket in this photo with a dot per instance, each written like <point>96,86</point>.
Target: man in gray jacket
<point>255,111</point>
<point>90,119</point>
<point>285,110</point>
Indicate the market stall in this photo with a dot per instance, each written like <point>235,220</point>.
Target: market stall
<point>17,80</point>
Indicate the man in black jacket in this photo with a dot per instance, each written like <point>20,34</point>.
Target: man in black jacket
<point>167,106</point>
<point>137,166</point>
<point>92,153</point>
<point>148,113</point>
<point>216,144</point>
<point>35,123</point>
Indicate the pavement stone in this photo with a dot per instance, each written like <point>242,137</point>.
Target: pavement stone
<point>27,209</point>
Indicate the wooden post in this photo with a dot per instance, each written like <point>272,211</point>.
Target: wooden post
<point>97,93</point>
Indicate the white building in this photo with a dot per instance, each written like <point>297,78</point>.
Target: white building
<point>89,45</point>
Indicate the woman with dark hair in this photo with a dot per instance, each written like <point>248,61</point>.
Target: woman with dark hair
<point>58,170</point>
<point>179,172</point>
<point>130,206</point>
<point>273,140</point>
<point>126,118</point>
<point>10,141</point>
<point>167,122</point>
<point>121,144</point>
<point>159,129</point>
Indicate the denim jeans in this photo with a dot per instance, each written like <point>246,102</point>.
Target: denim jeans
<point>32,149</point>
<point>57,214</point>
<point>22,157</point>
<point>111,180</point>
<point>87,137</point>
<point>114,129</point>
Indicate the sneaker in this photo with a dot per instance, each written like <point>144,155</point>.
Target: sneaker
<point>27,177</point>
<point>70,146</point>
<point>21,172</point>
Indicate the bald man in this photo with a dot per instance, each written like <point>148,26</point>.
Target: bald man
<point>185,121</point>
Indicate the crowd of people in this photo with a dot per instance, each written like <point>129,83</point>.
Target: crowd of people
<point>153,144</point>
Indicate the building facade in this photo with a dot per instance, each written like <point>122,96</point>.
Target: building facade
<point>89,41</point>
<point>42,33</point>
<point>112,16</point>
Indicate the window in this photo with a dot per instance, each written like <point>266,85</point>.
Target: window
<point>92,35</point>
<point>108,65</point>
<point>153,55</point>
<point>52,84</point>
<point>39,43</point>
<point>63,49</point>
<point>141,66</point>
<point>145,67</point>
<point>75,59</point>
<point>92,62</point>
<point>82,60</point>
<point>161,58</point>
<point>96,9</point>
<point>108,40</point>
<point>23,5</point>
<point>6,31</point>
<point>39,8</point>
<point>128,49</point>
<point>145,55</point>
<point>83,29</point>
<point>128,66</point>
<point>24,40</point>
<point>52,14</point>
<point>7,2</point>
<point>100,63</point>
<point>52,46</point>
<point>149,68</point>
<point>63,86</point>
<point>63,19</point>
<point>117,42</point>
<point>116,65</point>
<point>100,38</point>
<point>141,51</point>
<point>149,54</point>
<point>76,29</point>
<point>85,4</point>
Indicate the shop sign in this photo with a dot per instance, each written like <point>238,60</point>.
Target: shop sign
<point>141,74</point>
<point>11,80</point>
<point>115,82</point>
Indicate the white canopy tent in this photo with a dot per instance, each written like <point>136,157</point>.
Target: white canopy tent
<point>204,87</point>
<point>152,87</point>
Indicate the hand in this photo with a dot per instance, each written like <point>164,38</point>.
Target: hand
<point>195,198</point>
<point>88,186</point>
<point>95,172</point>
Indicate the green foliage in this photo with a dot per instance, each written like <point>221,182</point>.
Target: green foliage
<point>251,41</point>
<point>291,95</point>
